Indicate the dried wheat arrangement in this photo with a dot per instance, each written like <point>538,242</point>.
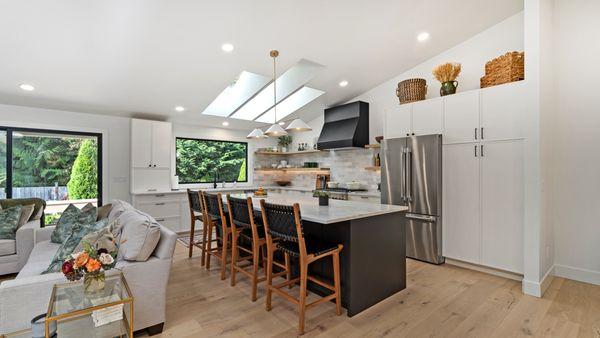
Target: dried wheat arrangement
<point>447,72</point>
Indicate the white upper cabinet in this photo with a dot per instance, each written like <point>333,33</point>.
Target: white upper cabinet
<point>503,109</point>
<point>398,121</point>
<point>461,117</point>
<point>141,140</point>
<point>502,204</point>
<point>461,230</point>
<point>427,117</point>
<point>161,144</point>
<point>150,144</point>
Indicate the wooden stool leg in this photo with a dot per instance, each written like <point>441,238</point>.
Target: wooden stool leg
<point>263,252</point>
<point>234,255</point>
<point>288,272</point>
<point>224,255</point>
<point>269,278</point>
<point>209,246</point>
<point>336,281</point>
<point>302,305</point>
<point>204,239</point>
<point>192,229</point>
<point>255,250</point>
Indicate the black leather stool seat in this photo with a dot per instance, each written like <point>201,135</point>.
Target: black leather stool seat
<point>313,246</point>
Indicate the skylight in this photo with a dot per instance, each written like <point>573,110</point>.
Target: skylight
<point>290,81</point>
<point>232,97</point>
<point>292,103</point>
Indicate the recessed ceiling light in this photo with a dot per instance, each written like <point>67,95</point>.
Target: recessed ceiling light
<point>225,123</point>
<point>423,36</point>
<point>281,123</point>
<point>227,47</point>
<point>343,83</point>
<point>27,87</point>
<point>180,108</point>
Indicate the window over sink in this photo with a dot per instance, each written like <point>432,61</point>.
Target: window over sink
<point>200,161</point>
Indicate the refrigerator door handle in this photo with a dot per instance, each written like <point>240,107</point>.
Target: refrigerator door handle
<point>408,175</point>
<point>403,179</point>
<point>426,218</point>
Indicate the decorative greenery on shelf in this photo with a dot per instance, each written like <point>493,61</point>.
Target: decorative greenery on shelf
<point>320,193</point>
<point>284,141</point>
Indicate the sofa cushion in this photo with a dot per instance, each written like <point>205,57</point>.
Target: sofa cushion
<point>38,210</point>
<point>8,247</point>
<point>26,212</point>
<point>71,242</point>
<point>40,257</point>
<point>71,216</point>
<point>139,236</point>
<point>9,221</point>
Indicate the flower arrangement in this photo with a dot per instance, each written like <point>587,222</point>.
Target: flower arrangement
<point>91,264</point>
<point>447,72</point>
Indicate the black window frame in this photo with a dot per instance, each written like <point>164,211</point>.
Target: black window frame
<point>9,155</point>
<point>212,140</point>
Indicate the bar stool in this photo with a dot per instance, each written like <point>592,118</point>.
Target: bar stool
<point>196,214</point>
<point>284,222</point>
<point>243,226</point>
<point>215,217</point>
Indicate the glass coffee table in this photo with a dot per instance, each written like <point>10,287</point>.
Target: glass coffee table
<point>78,314</point>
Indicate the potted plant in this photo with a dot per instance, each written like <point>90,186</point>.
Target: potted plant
<point>323,196</point>
<point>283,142</point>
<point>447,74</point>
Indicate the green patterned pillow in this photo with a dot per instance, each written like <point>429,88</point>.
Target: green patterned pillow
<point>9,221</point>
<point>69,218</point>
<point>68,246</point>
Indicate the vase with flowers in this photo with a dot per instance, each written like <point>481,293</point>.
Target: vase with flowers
<point>91,263</point>
<point>447,74</point>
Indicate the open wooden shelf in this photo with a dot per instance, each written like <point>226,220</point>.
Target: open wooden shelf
<point>286,153</point>
<point>373,168</point>
<point>374,145</point>
<point>294,169</point>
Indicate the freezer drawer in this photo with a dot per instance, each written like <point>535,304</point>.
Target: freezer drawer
<point>424,238</point>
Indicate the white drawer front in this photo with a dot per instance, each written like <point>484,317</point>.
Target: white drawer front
<point>157,198</point>
<point>173,223</point>
<point>159,209</point>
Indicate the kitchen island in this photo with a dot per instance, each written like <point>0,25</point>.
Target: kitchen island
<point>373,264</point>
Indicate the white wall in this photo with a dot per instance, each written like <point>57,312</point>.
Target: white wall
<point>472,54</point>
<point>576,184</point>
<point>115,137</point>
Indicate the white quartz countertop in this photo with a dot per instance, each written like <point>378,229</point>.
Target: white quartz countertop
<point>336,211</point>
<point>243,188</point>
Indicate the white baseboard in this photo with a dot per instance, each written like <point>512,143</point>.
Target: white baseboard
<point>485,269</point>
<point>578,274</point>
<point>537,289</point>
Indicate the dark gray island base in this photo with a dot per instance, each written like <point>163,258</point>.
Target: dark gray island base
<point>373,264</point>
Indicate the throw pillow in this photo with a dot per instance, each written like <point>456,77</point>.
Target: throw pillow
<point>118,207</point>
<point>71,242</point>
<point>9,222</point>
<point>102,238</point>
<point>139,236</point>
<point>26,212</point>
<point>103,211</point>
<point>68,218</point>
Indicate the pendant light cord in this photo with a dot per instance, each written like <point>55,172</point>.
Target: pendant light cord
<point>275,89</point>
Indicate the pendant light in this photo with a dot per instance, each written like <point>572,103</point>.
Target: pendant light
<point>275,129</point>
<point>256,133</point>
<point>298,125</point>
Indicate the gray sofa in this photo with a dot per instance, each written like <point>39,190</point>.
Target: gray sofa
<point>28,294</point>
<point>15,252</point>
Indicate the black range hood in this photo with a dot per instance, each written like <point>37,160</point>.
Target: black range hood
<point>346,126</point>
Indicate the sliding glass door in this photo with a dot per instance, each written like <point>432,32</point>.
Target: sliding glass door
<point>58,166</point>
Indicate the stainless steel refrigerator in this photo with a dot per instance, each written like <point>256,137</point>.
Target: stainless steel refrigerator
<point>411,175</point>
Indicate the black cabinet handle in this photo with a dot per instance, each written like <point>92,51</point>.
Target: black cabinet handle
<point>475,150</point>
<point>482,154</point>
<point>475,133</point>
<point>482,133</point>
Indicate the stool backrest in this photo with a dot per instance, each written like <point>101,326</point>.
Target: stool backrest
<point>214,206</point>
<point>284,222</point>
<point>241,214</point>
<point>195,201</point>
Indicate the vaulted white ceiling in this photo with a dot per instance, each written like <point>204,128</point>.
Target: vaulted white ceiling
<point>144,57</point>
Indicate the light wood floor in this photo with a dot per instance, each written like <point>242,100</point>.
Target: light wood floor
<point>440,301</point>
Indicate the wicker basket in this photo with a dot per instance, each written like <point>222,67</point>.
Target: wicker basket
<point>506,68</point>
<point>411,90</point>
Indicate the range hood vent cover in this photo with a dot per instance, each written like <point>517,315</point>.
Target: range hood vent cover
<point>346,126</point>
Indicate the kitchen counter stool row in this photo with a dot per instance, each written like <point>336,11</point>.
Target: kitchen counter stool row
<point>278,229</point>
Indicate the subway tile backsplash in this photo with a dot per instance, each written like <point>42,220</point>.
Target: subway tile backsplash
<point>345,165</point>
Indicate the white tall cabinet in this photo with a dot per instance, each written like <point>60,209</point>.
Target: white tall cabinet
<point>483,167</point>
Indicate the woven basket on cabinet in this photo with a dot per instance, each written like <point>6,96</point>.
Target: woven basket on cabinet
<point>411,90</point>
<point>506,68</point>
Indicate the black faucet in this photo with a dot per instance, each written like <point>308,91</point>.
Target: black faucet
<point>216,177</point>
